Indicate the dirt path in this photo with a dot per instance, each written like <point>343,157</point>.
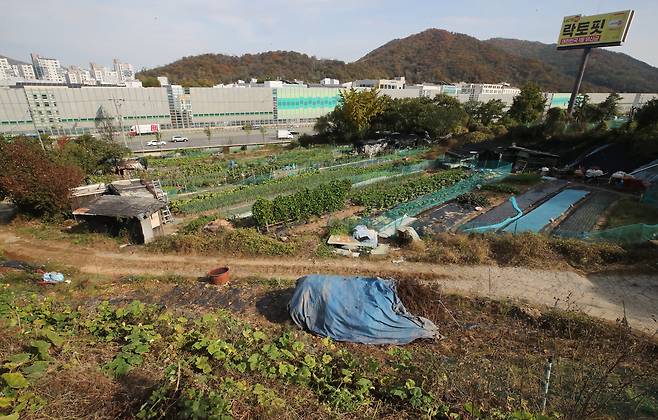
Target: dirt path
<point>602,295</point>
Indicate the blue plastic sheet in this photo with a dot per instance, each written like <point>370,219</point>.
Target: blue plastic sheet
<point>538,218</point>
<point>356,309</point>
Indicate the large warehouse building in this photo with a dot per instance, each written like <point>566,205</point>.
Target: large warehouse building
<point>62,110</point>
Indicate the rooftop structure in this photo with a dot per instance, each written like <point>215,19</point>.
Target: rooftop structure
<point>397,83</point>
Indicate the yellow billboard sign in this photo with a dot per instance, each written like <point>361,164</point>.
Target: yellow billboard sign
<point>605,30</point>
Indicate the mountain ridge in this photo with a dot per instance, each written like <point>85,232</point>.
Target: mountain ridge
<point>433,55</point>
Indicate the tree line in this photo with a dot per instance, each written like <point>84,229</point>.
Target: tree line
<point>367,113</point>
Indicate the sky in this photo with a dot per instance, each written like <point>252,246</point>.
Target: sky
<point>148,33</point>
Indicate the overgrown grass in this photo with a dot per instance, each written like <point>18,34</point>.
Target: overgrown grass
<point>630,211</point>
<point>196,224</point>
<point>525,178</point>
<point>501,188</point>
<point>341,226</point>
<point>532,250</point>
<point>241,241</point>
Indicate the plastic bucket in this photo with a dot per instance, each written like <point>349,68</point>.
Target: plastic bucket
<point>218,276</point>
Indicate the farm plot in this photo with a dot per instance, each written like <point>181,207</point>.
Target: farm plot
<point>207,171</point>
<point>457,182</point>
<point>585,217</point>
<point>524,201</point>
<point>247,194</point>
<point>389,195</point>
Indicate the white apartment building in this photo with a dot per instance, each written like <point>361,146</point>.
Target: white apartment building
<point>397,83</point>
<point>26,71</point>
<point>16,71</point>
<point>6,70</point>
<point>97,72</point>
<point>125,71</point>
<point>47,69</point>
<point>77,76</point>
<point>103,75</point>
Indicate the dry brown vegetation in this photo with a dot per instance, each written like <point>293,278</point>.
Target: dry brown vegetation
<point>535,251</point>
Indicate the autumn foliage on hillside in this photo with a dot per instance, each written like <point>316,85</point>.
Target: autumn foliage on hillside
<point>606,69</point>
<point>32,180</point>
<point>433,55</point>
<point>210,69</point>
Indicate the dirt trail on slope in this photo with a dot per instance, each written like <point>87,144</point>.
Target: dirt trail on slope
<point>601,295</point>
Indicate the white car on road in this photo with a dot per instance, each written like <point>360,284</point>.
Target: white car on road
<point>156,143</point>
<point>177,139</point>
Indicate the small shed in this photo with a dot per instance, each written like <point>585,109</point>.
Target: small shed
<point>140,216</point>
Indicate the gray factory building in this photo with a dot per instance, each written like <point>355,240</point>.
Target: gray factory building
<point>61,110</point>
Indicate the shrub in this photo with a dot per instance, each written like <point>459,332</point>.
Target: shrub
<point>501,188</point>
<point>476,137</point>
<point>196,224</point>
<point>92,155</point>
<point>525,249</point>
<point>529,250</point>
<point>473,200</point>
<point>385,196</point>
<point>341,226</point>
<point>242,241</point>
<point>583,255</point>
<point>445,248</point>
<point>36,184</point>
<point>301,205</point>
<point>262,212</point>
<point>525,178</point>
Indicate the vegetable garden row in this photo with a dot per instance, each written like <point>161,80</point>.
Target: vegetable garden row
<point>384,196</point>
<point>206,170</point>
<point>269,189</point>
<point>301,205</point>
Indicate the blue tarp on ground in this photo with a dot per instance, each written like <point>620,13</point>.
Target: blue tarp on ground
<point>356,309</point>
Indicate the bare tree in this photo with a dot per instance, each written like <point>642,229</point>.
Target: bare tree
<point>105,124</point>
<point>263,131</point>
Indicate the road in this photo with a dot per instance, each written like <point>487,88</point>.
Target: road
<point>197,138</point>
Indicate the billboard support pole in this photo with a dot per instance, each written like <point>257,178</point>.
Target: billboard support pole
<point>579,80</point>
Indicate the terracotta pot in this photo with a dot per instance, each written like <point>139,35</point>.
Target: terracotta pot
<point>218,276</point>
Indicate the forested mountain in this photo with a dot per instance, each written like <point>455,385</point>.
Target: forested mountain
<point>616,71</point>
<point>210,69</point>
<point>433,55</point>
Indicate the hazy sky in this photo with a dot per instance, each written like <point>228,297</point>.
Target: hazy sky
<point>148,33</point>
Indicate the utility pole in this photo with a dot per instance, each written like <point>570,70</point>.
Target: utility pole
<point>116,106</point>
<point>137,133</point>
<point>35,127</point>
<point>579,79</point>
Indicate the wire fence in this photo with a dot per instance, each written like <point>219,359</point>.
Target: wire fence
<point>412,208</point>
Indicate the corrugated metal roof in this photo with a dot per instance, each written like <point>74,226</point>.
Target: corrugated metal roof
<point>131,187</point>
